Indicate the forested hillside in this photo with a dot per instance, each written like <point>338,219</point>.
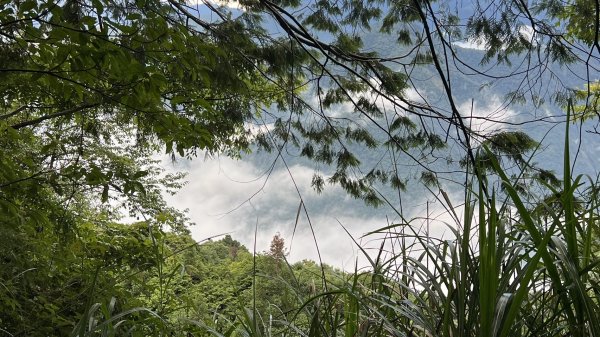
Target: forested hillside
<point>148,282</point>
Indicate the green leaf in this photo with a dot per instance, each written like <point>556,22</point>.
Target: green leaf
<point>140,174</point>
<point>105,193</point>
<point>27,6</point>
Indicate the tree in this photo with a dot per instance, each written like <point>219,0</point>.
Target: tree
<point>90,89</point>
<point>79,75</point>
<point>277,248</point>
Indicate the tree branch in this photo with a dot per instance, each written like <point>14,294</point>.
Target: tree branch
<point>54,115</point>
<point>10,114</point>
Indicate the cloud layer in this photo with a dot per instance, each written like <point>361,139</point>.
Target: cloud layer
<point>226,196</point>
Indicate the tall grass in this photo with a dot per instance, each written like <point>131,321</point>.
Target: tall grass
<point>509,268</point>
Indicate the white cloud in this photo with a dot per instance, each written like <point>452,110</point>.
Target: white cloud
<point>347,108</point>
<point>477,44</point>
<point>232,4</point>
<point>528,33</point>
<point>236,196</point>
<point>231,196</point>
<point>229,4</point>
<point>525,31</point>
<point>486,117</point>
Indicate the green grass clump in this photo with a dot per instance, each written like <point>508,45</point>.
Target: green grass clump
<point>512,267</point>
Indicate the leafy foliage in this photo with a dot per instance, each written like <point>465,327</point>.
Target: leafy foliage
<point>113,278</point>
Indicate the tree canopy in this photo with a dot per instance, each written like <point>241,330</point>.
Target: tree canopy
<point>88,83</point>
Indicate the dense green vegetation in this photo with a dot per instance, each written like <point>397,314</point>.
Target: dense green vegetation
<point>91,90</point>
<point>146,281</point>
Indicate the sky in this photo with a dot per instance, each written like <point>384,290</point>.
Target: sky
<point>228,196</point>
<point>240,198</point>
<point>247,200</point>
<point>244,197</point>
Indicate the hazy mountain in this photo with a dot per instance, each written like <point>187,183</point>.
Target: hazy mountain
<point>252,194</point>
